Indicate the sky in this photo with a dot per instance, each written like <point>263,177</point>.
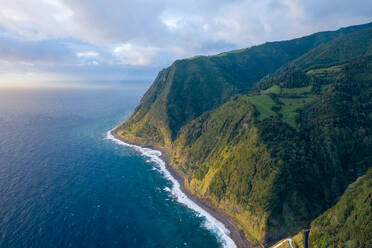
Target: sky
<point>93,40</point>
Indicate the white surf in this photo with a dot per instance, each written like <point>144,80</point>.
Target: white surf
<point>210,222</point>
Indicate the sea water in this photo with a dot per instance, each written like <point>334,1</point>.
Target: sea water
<point>64,184</point>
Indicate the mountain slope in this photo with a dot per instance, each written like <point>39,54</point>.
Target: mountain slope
<point>326,55</point>
<point>348,223</point>
<point>338,50</point>
<point>247,155</point>
<point>275,157</point>
<point>193,86</point>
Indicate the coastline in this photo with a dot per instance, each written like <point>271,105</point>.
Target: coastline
<point>233,232</point>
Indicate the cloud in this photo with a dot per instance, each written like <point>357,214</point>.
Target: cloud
<point>88,54</point>
<point>35,52</point>
<point>130,54</point>
<point>36,20</point>
<point>294,9</point>
<point>124,37</point>
<point>165,21</point>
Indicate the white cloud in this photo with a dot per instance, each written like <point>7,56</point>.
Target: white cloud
<point>172,23</point>
<point>87,54</point>
<point>134,55</point>
<point>294,9</point>
<point>167,22</point>
<point>36,20</point>
<point>154,33</point>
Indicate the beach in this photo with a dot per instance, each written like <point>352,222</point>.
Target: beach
<point>228,233</point>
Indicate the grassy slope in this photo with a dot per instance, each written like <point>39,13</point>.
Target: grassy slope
<point>193,86</point>
<point>336,51</point>
<point>261,168</point>
<point>274,161</point>
<point>228,160</point>
<point>348,223</point>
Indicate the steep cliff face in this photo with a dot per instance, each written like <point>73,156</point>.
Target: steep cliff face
<point>190,87</point>
<point>275,161</point>
<point>275,157</point>
<point>148,124</point>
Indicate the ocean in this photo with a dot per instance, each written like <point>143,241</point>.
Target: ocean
<point>65,183</point>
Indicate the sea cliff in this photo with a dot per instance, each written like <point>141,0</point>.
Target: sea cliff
<point>270,136</point>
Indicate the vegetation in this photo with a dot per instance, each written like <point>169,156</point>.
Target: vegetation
<point>291,106</point>
<point>264,104</point>
<point>276,155</point>
<point>348,223</point>
<point>334,52</point>
<point>190,87</point>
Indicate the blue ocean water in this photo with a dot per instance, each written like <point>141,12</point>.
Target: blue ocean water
<point>62,184</point>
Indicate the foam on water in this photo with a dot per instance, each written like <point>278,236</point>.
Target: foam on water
<point>210,222</point>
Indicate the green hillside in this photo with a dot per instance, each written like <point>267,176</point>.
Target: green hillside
<point>348,223</point>
<point>247,155</point>
<point>276,155</point>
<point>336,51</point>
<point>193,86</point>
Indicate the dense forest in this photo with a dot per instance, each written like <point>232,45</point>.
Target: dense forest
<point>272,135</point>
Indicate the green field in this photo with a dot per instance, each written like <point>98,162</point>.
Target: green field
<point>332,69</point>
<point>290,107</point>
<point>275,89</point>
<point>296,91</point>
<point>264,105</point>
